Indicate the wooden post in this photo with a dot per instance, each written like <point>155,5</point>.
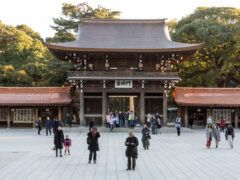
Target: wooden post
<point>34,117</point>
<point>9,117</point>
<point>142,107</point>
<point>59,113</point>
<point>211,114</point>
<point>164,108</point>
<point>131,103</point>
<point>104,106</point>
<point>236,118</point>
<point>82,122</point>
<point>186,116</point>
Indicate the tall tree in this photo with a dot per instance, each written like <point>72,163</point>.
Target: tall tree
<point>66,27</point>
<point>217,63</point>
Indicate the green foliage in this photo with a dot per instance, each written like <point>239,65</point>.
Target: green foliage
<point>67,27</point>
<point>217,63</point>
<point>26,61</point>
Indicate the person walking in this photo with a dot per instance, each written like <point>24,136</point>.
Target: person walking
<point>159,126</point>
<point>146,137</point>
<point>70,120</point>
<point>222,124</point>
<point>59,140</point>
<point>91,124</point>
<point>131,151</point>
<point>126,117</point>
<point>230,135</point>
<point>48,126</point>
<point>67,144</point>
<point>154,125</point>
<point>39,125</point>
<point>93,146</point>
<point>209,135</point>
<point>216,134</point>
<point>178,126</point>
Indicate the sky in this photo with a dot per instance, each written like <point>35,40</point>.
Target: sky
<point>38,14</point>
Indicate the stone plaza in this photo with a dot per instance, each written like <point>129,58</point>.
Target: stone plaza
<point>26,156</point>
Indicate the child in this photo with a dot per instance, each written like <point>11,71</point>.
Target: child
<point>67,144</point>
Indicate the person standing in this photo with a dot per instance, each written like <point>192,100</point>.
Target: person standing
<point>132,117</point>
<point>111,123</point>
<point>149,120</point>
<point>93,146</point>
<point>178,126</point>
<point>131,151</point>
<point>209,120</point>
<point>59,140</point>
<point>70,120</point>
<point>39,125</point>
<point>222,124</point>
<point>108,116</point>
<point>67,145</point>
<point>145,137</point>
<point>154,125</point>
<point>216,134</point>
<point>55,125</point>
<point>120,117</point>
<point>91,125</point>
<point>159,125</point>
<point>48,126</point>
<point>209,135</point>
<point>230,135</point>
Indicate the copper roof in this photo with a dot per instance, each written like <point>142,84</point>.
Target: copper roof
<point>123,35</point>
<point>222,97</point>
<point>30,96</point>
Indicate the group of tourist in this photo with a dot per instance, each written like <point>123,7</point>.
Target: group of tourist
<point>213,131</point>
<point>154,122</point>
<point>120,119</point>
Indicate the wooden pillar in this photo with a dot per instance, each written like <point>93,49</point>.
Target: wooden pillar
<point>186,116</point>
<point>82,122</point>
<point>131,103</point>
<point>34,117</point>
<point>59,113</point>
<point>164,108</point>
<point>236,118</point>
<point>104,106</point>
<point>9,117</point>
<point>211,114</point>
<point>142,107</point>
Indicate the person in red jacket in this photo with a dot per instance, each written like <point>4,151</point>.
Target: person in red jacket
<point>222,124</point>
<point>67,144</point>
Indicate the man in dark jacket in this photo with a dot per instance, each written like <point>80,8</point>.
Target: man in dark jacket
<point>92,141</point>
<point>145,136</point>
<point>70,120</point>
<point>39,125</point>
<point>48,126</point>
<point>230,135</point>
<point>91,125</point>
<point>59,140</point>
<point>154,125</point>
<point>131,151</point>
<point>55,125</point>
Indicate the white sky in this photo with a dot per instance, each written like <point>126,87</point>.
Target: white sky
<point>38,14</point>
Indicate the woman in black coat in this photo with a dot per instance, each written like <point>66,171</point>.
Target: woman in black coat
<point>93,145</point>
<point>59,140</point>
<point>131,151</point>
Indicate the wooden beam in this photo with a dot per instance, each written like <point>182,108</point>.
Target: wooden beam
<point>9,117</point>
<point>236,118</point>
<point>82,122</point>
<point>59,113</point>
<point>164,108</point>
<point>104,106</point>
<point>142,107</point>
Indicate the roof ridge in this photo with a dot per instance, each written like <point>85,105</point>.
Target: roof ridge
<point>94,20</point>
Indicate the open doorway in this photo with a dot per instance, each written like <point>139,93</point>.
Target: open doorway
<point>124,103</point>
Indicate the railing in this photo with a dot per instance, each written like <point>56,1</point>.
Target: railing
<point>112,75</point>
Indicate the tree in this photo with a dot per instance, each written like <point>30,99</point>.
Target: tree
<point>217,63</point>
<point>67,27</point>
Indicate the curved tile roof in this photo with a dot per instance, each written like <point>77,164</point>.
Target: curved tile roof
<point>123,36</point>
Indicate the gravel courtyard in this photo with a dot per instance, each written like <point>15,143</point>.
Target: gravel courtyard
<point>26,156</point>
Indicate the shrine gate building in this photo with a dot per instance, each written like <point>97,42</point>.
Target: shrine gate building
<point>118,58</point>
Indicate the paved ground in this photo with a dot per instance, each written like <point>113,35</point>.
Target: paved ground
<point>26,156</point>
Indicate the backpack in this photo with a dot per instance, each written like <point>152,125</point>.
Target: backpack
<point>89,140</point>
